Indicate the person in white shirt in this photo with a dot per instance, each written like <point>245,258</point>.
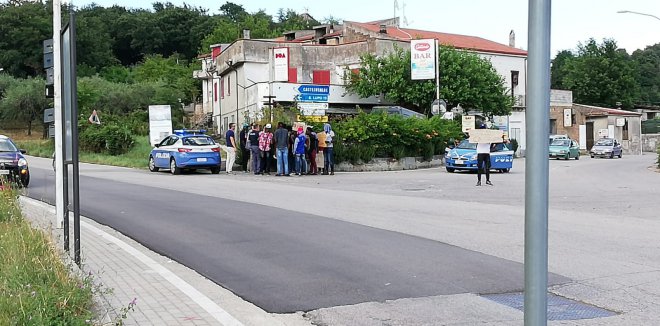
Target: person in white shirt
<point>483,162</point>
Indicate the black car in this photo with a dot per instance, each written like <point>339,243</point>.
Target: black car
<point>13,165</point>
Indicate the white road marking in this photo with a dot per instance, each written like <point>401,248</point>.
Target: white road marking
<point>203,301</point>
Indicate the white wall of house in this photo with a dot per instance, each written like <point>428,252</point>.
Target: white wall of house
<point>504,65</point>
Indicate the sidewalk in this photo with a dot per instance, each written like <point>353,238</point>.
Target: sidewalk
<point>164,292</point>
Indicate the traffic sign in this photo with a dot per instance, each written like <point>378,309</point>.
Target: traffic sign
<point>312,98</point>
<point>314,89</point>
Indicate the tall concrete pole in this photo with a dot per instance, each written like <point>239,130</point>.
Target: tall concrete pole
<point>536,164</point>
<point>59,153</point>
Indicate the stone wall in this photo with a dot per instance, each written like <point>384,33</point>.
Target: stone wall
<point>390,164</point>
<point>650,142</point>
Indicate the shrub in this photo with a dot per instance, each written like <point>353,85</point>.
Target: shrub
<point>111,139</point>
<point>391,136</point>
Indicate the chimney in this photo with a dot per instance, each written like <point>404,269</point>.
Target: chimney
<point>383,29</point>
<point>246,34</point>
<point>512,39</point>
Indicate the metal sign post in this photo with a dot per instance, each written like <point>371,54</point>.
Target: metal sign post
<point>536,164</point>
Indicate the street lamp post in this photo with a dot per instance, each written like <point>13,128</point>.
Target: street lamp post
<point>637,13</point>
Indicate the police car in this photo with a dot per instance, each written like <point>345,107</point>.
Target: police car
<point>185,150</point>
<point>464,157</point>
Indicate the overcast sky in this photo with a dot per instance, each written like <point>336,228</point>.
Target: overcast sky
<point>573,21</point>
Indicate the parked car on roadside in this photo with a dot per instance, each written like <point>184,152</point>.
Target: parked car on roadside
<point>186,150</point>
<point>606,147</point>
<point>13,165</point>
<point>464,157</point>
<point>564,148</point>
<point>551,138</point>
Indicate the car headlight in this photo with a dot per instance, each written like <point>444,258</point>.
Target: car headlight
<point>562,151</point>
<point>473,157</point>
<point>22,162</point>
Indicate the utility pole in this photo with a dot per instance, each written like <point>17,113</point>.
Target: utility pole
<point>536,165</point>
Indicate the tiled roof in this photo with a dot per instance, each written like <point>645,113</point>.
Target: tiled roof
<point>304,38</point>
<point>458,41</point>
<point>333,34</point>
<point>600,111</point>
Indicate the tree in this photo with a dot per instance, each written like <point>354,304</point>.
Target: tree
<point>601,75</point>
<point>648,61</point>
<point>227,30</point>
<point>290,20</point>
<point>465,78</point>
<point>558,69</point>
<point>23,27</point>
<point>24,101</point>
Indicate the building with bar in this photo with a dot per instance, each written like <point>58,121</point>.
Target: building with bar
<point>241,78</point>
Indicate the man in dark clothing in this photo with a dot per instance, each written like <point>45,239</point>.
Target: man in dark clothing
<point>311,152</point>
<point>282,146</point>
<point>253,143</point>
<point>245,151</point>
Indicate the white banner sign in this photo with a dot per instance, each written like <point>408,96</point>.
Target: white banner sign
<point>280,64</point>
<point>468,123</point>
<point>422,59</point>
<point>486,136</point>
<point>160,123</point>
<point>568,117</point>
<point>312,109</point>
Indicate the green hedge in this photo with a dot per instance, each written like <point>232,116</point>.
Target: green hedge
<point>391,136</point>
<point>110,139</point>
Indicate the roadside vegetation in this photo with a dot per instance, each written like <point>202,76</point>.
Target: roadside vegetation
<point>36,288</point>
<point>135,157</point>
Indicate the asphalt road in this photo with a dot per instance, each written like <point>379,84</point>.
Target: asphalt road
<point>281,260</point>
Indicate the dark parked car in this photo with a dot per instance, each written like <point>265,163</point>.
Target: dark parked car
<point>13,165</point>
<point>606,147</point>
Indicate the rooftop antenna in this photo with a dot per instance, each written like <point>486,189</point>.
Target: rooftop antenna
<point>405,19</point>
<point>396,7</point>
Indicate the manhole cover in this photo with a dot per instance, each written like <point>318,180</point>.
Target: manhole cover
<point>559,308</point>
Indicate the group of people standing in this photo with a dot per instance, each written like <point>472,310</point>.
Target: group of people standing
<point>301,149</point>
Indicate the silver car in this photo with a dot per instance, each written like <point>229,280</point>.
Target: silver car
<point>606,147</point>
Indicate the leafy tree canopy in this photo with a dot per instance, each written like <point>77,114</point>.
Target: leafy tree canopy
<point>465,79</point>
<point>598,74</point>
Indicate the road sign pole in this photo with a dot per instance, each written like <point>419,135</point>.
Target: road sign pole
<point>437,71</point>
<point>536,164</point>
<point>57,100</point>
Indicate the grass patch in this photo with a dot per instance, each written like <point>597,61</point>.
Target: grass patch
<point>137,157</point>
<point>36,288</point>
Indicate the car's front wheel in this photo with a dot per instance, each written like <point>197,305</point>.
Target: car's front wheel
<point>173,168</point>
<point>25,180</point>
<point>450,170</point>
<point>577,157</point>
<point>620,154</point>
<point>215,170</point>
<point>152,165</point>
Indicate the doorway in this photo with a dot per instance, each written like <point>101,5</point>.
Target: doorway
<point>590,135</point>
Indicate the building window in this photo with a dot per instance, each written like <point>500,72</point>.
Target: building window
<point>625,131</point>
<point>573,120</point>
<point>222,88</point>
<point>215,91</point>
<point>515,134</point>
<point>232,118</point>
<point>225,123</point>
<point>321,77</point>
<point>293,75</point>
<point>228,85</point>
